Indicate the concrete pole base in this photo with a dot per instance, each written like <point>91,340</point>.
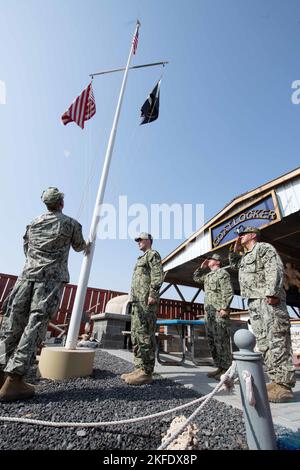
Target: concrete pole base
<point>60,363</point>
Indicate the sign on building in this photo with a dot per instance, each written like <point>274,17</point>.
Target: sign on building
<point>260,214</point>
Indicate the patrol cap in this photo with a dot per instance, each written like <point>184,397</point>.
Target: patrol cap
<point>241,230</point>
<point>215,256</point>
<point>51,195</point>
<point>144,236</point>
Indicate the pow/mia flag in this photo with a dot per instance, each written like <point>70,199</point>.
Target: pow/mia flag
<point>150,109</point>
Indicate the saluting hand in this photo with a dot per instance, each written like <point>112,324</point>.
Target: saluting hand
<point>237,246</point>
<point>151,301</point>
<point>204,264</point>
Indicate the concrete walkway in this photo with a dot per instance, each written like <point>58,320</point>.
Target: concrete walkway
<point>194,377</point>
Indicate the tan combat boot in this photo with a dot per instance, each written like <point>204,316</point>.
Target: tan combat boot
<point>279,393</point>
<point>270,385</point>
<point>140,378</point>
<point>124,376</point>
<point>214,372</point>
<point>2,377</point>
<point>15,388</point>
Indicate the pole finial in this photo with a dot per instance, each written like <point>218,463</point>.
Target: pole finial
<point>245,340</point>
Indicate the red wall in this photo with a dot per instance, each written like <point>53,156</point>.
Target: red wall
<point>96,300</point>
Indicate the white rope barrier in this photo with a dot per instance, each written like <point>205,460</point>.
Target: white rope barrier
<point>249,387</point>
<point>97,424</point>
<point>228,375</point>
<point>67,424</point>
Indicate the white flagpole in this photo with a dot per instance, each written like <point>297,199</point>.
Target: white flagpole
<point>74,327</point>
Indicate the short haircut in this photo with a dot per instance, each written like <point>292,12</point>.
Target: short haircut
<point>54,205</point>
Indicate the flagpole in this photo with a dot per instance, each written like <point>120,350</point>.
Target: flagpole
<point>74,327</point>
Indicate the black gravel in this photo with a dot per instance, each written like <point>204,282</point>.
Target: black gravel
<point>105,397</point>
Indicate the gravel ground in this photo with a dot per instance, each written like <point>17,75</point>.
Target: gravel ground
<point>104,397</point>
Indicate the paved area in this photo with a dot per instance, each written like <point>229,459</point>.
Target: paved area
<point>194,377</point>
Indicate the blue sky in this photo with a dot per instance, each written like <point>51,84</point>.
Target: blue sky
<point>227,123</point>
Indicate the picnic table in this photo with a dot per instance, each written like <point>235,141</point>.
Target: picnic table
<point>186,330</point>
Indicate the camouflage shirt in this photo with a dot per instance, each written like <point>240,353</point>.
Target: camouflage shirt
<point>217,287</point>
<point>47,243</point>
<point>147,277</point>
<point>261,272</point>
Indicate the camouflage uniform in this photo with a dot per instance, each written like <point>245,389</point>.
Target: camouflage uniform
<point>35,297</point>
<point>261,274</point>
<point>218,296</point>
<point>146,282</point>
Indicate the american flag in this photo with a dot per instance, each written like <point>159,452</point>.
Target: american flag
<point>82,108</point>
<point>135,41</point>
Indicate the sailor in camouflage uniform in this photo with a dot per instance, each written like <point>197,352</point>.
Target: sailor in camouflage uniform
<point>218,296</point>
<point>261,274</point>
<point>146,282</point>
<point>35,297</point>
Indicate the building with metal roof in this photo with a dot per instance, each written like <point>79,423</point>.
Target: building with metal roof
<point>274,207</point>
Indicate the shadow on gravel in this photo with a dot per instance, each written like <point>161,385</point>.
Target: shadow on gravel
<point>161,388</point>
<point>102,374</point>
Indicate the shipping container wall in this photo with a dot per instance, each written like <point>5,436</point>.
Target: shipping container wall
<point>95,302</point>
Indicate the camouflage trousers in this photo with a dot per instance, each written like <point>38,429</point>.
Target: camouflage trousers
<point>218,336</point>
<point>143,326</point>
<point>271,326</point>
<point>29,308</point>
